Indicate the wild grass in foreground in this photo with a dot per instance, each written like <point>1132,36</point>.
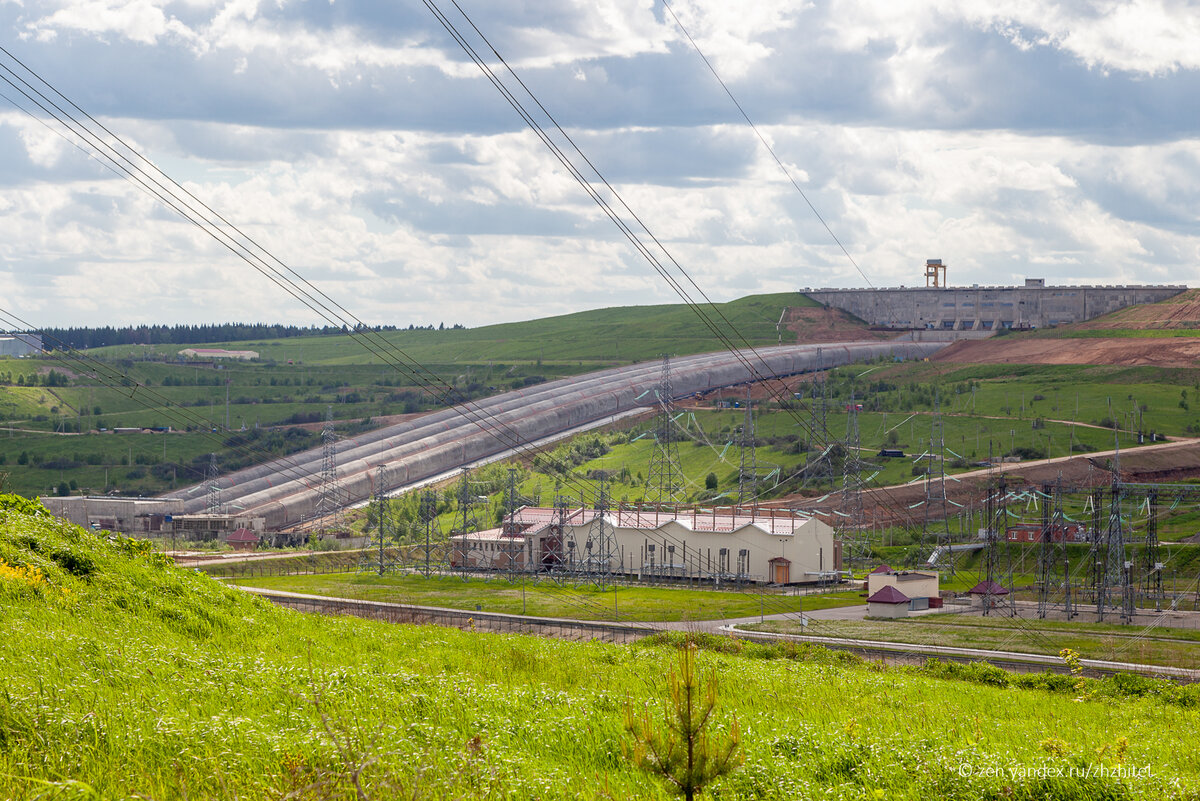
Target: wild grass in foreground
<point>124,676</point>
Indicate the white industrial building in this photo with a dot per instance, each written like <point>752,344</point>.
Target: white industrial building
<point>218,353</point>
<point>20,344</point>
<point>773,547</point>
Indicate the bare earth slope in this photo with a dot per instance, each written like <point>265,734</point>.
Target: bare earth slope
<point>1133,341</point>
<point>1181,311</point>
<point>1157,352</point>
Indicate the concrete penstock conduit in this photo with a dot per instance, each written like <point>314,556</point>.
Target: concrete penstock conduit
<point>284,491</point>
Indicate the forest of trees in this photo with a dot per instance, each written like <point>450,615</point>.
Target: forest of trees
<point>59,338</point>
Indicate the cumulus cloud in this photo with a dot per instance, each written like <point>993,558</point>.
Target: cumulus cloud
<point>359,145</point>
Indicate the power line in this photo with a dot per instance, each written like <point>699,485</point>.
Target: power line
<point>786,172</point>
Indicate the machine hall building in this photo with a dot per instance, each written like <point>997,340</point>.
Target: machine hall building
<point>771,547</point>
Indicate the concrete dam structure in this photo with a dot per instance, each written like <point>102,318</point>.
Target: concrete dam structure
<point>987,308</point>
<point>285,491</point>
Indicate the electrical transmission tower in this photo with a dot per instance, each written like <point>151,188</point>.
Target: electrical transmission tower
<point>431,548</point>
<point>467,521</point>
<point>850,517</point>
<point>212,501</point>
<point>329,497</point>
<point>664,485</point>
<point>601,557</point>
<point>1115,579</point>
<point>935,490</point>
<point>819,468</point>
<point>514,543</point>
<point>997,527</point>
<point>377,558</point>
<point>1153,583</point>
<point>748,466</point>
<point>1052,553</point>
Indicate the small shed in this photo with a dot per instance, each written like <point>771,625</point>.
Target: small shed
<point>243,539</point>
<point>988,594</point>
<point>888,602</point>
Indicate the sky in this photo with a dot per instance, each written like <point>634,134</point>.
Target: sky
<point>361,147</point>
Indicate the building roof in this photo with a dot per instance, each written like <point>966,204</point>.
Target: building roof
<point>243,535</point>
<point>702,520</point>
<point>882,569</point>
<point>491,534</point>
<point>888,595</point>
<point>987,588</point>
<point>914,576</point>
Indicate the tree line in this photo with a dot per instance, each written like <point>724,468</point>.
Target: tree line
<point>82,337</point>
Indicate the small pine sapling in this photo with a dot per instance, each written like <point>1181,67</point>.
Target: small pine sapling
<point>683,751</point>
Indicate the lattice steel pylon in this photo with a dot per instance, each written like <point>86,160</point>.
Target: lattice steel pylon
<point>748,464</point>
<point>212,500</point>
<point>935,488</point>
<point>430,550</point>
<point>850,516</point>
<point>514,543</point>
<point>1115,580</point>
<point>330,499</point>
<point>664,484</point>
<point>377,558</point>
<point>819,468</point>
<point>466,519</point>
<point>1152,581</point>
<point>1052,552</point>
<point>601,558</point>
<point>997,528</point>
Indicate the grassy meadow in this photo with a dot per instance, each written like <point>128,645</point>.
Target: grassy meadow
<point>628,603</point>
<point>124,677</point>
<point>1115,642</point>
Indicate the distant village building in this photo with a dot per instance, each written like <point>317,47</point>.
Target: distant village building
<point>20,344</point>
<point>218,353</point>
<point>894,593</point>
<point>1061,532</point>
<point>712,544</point>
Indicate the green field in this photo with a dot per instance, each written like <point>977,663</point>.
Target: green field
<point>298,379</point>
<point>547,599</point>
<point>617,335</point>
<point>125,677</point>
<point>1151,646</point>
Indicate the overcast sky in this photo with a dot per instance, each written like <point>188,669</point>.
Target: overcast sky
<point>356,141</point>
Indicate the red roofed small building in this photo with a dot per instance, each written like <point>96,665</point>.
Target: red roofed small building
<point>888,602</point>
<point>243,539</point>
<point>988,594</point>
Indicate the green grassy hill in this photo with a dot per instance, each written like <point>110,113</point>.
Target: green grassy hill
<point>123,676</point>
<point>614,335</point>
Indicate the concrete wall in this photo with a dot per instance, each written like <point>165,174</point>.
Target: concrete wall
<point>988,308</point>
